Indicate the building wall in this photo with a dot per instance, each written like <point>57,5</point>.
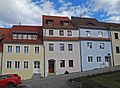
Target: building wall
<point>94,52</point>
<point>66,55</point>
<point>0,61</point>
<point>75,33</point>
<point>31,57</point>
<point>115,42</point>
<point>94,32</point>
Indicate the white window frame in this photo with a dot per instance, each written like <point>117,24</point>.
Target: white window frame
<point>9,50</point>
<point>102,46</point>
<point>25,36</point>
<point>88,33</point>
<point>8,67</point>
<point>70,49</point>
<point>20,36</point>
<point>51,45</point>
<point>23,65</point>
<point>89,45</point>
<point>61,33</point>
<point>91,59</point>
<point>15,36</point>
<point>69,32</point>
<point>17,50</point>
<point>35,50</point>
<point>17,64</point>
<point>62,48</point>
<point>98,59</point>
<point>24,50</point>
<point>100,34</point>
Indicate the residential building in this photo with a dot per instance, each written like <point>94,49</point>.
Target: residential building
<point>23,51</point>
<point>61,45</point>
<point>95,43</point>
<point>115,35</point>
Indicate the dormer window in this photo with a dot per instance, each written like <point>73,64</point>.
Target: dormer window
<point>64,23</point>
<point>14,36</point>
<point>50,22</point>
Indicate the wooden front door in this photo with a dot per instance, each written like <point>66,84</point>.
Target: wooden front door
<point>51,66</point>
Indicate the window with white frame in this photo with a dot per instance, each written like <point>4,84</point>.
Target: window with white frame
<point>51,47</point>
<point>70,63</point>
<point>98,58</point>
<point>102,46</point>
<point>61,32</point>
<point>62,63</point>
<point>70,47</point>
<point>24,36</point>
<point>90,59</point>
<point>14,36</point>
<point>69,33</point>
<point>17,64</point>
<point>37,50</point>
<point>29,37</point>
<point>26,49</point>
<point>88,33</point>
<point>8,64</point>
<point>50,32</point>
<point>34,37</point>
<point>9,49</point>
<point>17,50</point>
<point>19,36</point>
<point>25,64</point>
<point>117,49</point>
<point>100,33</point>
<point>61,47</point>
<point>89,45</point>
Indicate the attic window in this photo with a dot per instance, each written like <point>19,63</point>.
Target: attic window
<point>90,24</point>
<point>49,22</point>
<point>64,23</point>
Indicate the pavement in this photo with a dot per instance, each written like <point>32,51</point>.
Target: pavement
<point>60,81</point>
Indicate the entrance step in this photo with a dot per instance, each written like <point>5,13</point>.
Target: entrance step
<point>51,74</point>
<point>36,76</point>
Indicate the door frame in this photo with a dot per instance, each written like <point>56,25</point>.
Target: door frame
<point>52,60</point>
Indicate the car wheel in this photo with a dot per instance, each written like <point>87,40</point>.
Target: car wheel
<point>10,85</point>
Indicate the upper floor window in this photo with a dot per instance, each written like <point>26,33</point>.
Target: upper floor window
<point>26,49</point>
<point>117,49</point>
<point>89,45</point>
<point>70,63</point>
<point>19,36</point>
<point>61,47</point>
<point>9,64</point>
<point>88,33</point>
<point>24,36</point>
<point>61,32</point>
<point>70,47</point>
<point>62,63</point>
<point>17,50</point>
<point>34,37</point>
<point>50,22</point>
<point>98,59</point>
<point>51,47</point>
<point>9,49</point>
<point>100,33</point>
<point>116,35</point>
<point>14,36</point>
<point>69,33</point>
<point>90,59</point>
<point>50,32</point>
<point>37,49</point>
<point>17,64</point>
<point>102,45</point>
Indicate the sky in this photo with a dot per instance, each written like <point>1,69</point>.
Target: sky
<point>29,12</point>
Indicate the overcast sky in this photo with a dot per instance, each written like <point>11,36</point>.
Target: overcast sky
<point>29,12</point>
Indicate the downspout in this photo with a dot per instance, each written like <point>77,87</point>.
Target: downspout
<point>80,51</point>
<point>112,57</point>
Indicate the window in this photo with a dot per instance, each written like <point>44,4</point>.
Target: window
<point>88,33</point>
<point>14,36</point>
<point>98,59</point>
<point>116,35</point>
<point>25,64</point>
<point>90,59</point>
<point>17,64</point>
<point>17,49</point>
<point>70,63</point>
<point>64,23</point>
<point>51,47</point>
<point>30,37</point>
<point>100,34</point>
<point>69,33</point>
<point>70,47</point>
<point>9,49</point>
<point>117,49</point>
<point>62,63</point>
<point>61,32</point>
<point>24,36</point>
<point>50,22</point>
<point>26,49</point>
<point>102,45</point>
<point>37,50</point>
<point>61,47</point>
<point>34,37</point>
<point>106,59</point>
<point>8,64</point>
<point>19,36</point>
<point>89,45</point>
<point>50,32</point>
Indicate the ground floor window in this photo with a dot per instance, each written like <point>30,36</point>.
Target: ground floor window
<point>70,63</point>
<point>25,64</point>
<point>62,63</point>
<point>17,64</point>
<point>90,59</point>
<point>9,64</point>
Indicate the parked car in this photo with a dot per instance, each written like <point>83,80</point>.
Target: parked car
<point>9,80</point>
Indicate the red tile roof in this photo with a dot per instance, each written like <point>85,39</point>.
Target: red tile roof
<point>57,22</point>
<point>24,29</point>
